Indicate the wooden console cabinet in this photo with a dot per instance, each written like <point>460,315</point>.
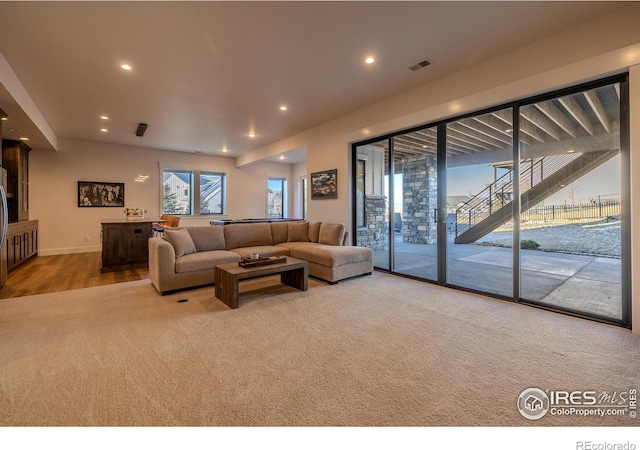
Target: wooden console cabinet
<point>125,243</point>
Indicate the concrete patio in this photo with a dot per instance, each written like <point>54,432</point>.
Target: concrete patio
<point>589,284</point>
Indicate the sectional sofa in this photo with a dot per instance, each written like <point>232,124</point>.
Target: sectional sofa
<point>186,257</point>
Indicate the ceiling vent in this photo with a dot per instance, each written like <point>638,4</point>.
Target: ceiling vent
<point>420,65</point>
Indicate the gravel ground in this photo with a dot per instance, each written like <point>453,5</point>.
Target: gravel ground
<point>588,237</point>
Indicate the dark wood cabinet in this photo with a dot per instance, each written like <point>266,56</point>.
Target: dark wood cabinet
<point>125,244</point>
<point>21,243</point>
<point>15,159</point>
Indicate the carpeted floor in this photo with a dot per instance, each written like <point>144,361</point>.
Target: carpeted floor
<point>370,351</point>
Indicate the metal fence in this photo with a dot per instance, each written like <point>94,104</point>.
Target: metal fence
<point>598,207</point>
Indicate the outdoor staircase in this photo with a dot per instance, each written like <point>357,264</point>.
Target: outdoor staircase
<point>492,208</point>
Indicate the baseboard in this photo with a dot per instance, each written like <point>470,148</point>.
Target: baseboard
<point>65,251</point>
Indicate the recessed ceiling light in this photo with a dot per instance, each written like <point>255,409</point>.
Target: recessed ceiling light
<point>4,118</point>
<point>252,134</point>
<point>281,156</point>
<point>104,117</point>
<point>104,130</point>
<point>370,60</point>
<point>224,150</point>
<point>126,67</point>
<point>283,108</point>
<point>24,138</point>
<point>571,151</point>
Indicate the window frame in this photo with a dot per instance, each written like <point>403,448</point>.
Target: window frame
<point>283,185</point>
<point>195,190</point>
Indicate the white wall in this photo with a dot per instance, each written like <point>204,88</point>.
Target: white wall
<point>66,228</point>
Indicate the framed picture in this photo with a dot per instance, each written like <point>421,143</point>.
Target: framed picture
<point>93,194</point>
<point>324,185</point>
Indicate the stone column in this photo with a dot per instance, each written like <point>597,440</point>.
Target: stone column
<point>420,199</point>
<point>374,235</point>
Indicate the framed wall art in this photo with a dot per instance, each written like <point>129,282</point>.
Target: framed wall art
<point>93,194</point>
<point>324,185</point>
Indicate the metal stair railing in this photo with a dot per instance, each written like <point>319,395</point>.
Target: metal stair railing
<point>499,193</point>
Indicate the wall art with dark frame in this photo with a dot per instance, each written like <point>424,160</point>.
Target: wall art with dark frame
<point>93,194</point>
<point>324,185</point>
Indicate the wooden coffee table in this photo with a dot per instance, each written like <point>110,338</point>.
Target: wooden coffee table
<point>294,272</point>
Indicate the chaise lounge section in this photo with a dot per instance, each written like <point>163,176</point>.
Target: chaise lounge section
<point>187,257</point>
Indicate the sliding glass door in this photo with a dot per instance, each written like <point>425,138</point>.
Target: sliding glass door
<point>479,196</point>
<point>372,191</point>
<point>571,202</point>
<point>415,186</point>
<point>396,198</point>
<point>527,202</point>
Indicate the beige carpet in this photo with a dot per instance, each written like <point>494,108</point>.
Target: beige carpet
<point>371,351</point>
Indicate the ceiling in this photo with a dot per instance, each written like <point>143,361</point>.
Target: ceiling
<point>207,74</point>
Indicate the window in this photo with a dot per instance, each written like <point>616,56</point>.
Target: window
<point>211,193</point>
<point>303,184</point>
<point>185,191</point>
<point>176,191</point>
<point>276,188</point>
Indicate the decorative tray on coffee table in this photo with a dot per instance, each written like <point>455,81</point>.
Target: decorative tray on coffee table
<point>265,261</point>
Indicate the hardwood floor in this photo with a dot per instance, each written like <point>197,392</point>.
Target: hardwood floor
<point>44,274</point>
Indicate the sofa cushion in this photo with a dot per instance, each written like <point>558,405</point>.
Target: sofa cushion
<point>207,238</point>
<point>239,235</point>
<point>331,233</point>
<point>328,255</point>
<point>204,261</point>
<point>279,232</point>
<point>298,232</point>
<point>314,231</point>
<point>181,241</point>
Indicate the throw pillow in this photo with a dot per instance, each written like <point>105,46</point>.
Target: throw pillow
<point>207,238</point>
<point>237,235</point>
<point>298,232</point>
<point>314,231</point>
<point>279,232</point>
<point>331,233</point>
<point>181,241</point>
